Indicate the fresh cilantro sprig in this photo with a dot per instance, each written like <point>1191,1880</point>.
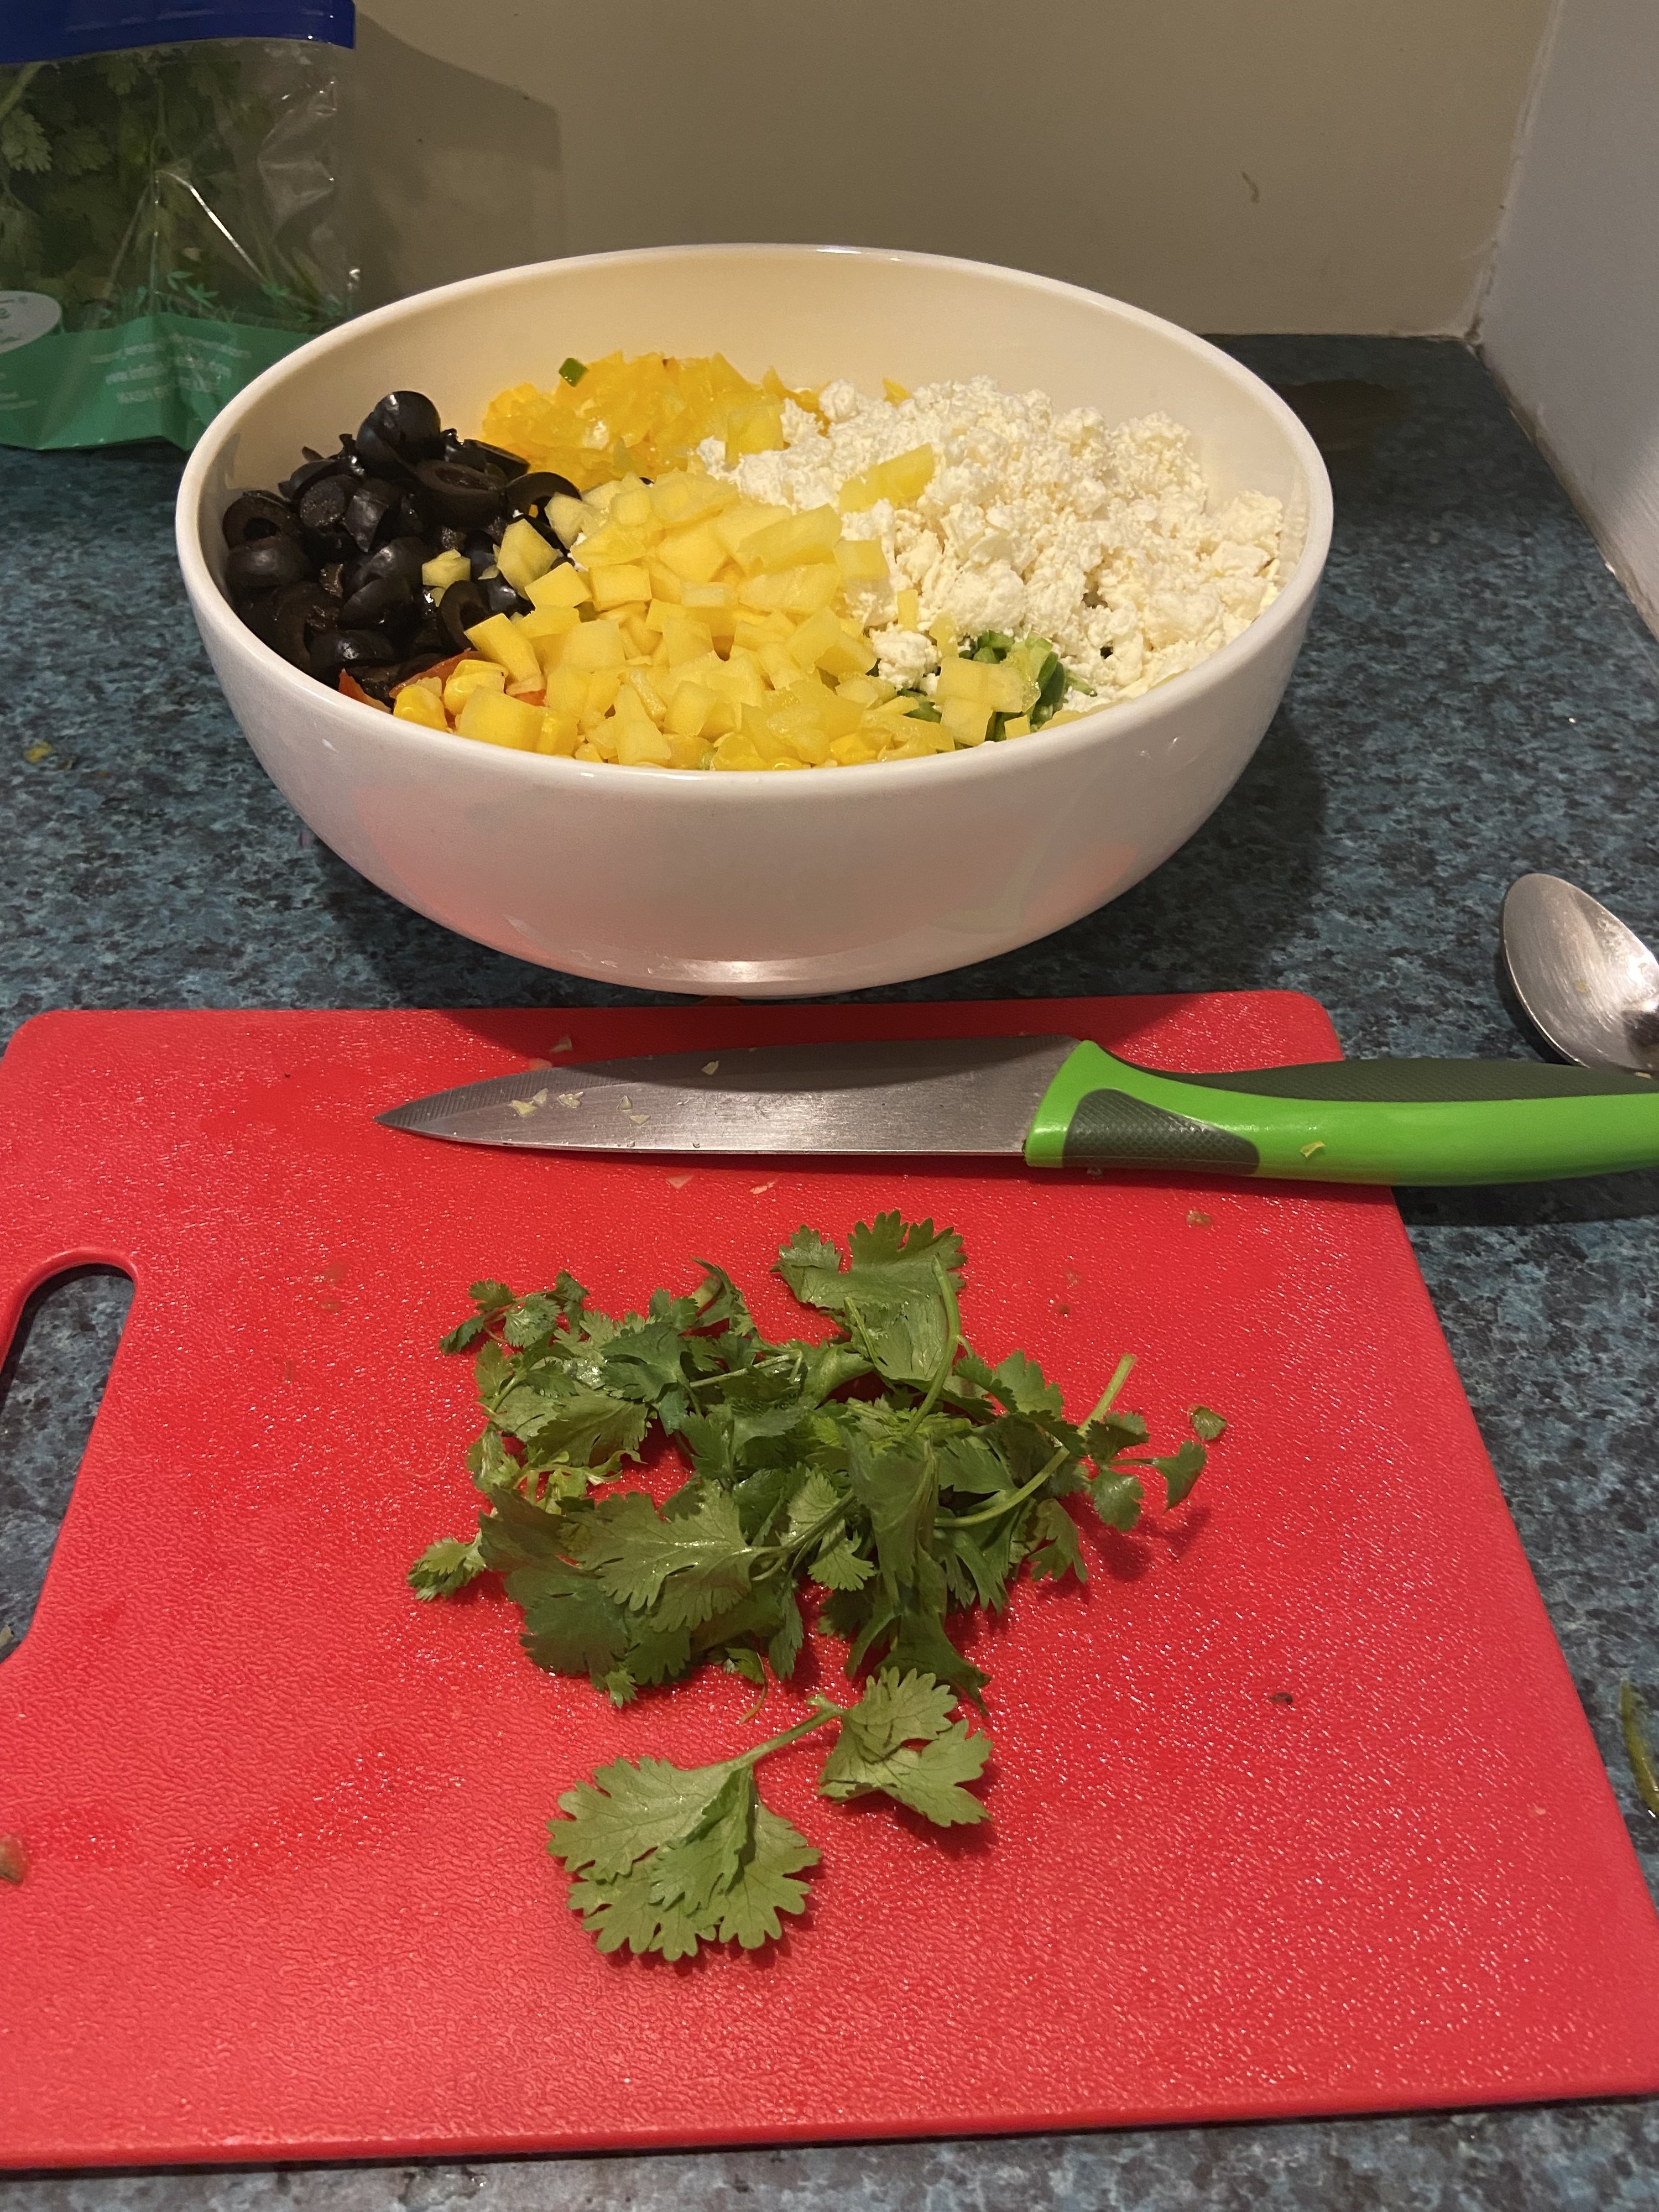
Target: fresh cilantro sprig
<point>889,1476</point>
<point>667,1857</point>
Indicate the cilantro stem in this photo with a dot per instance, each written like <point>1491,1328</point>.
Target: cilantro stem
<point>1007,1504</point>
<point>823,1709</point>
<point>952,1345</point>
<point>1121,1374</point>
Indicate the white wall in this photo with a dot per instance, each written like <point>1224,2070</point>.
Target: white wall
<point>1238,165</point>
<point>1571,326</point>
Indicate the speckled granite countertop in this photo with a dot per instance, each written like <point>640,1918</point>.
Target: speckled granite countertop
<point>1476,698</point>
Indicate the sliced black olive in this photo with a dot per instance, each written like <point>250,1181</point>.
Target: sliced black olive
<point>324,502</point>
<point>420,659</point>
<point>413,517</point>
<point>265,564</point>
<point>462,605</point>
<point>311,471</point>
<point>429,640</point>
<point>450,539</point>
<point>379,455</point>
<point>372,605</point>
<point>501,598</point>
<point>336,649</point>
<point>409,422</point>
<point>259,514</point>
<point>473,453</point>
<point>460,495</point>
<point>527,497</point>
<point>331,577</point>
<point>481,548</point>
<point>259,613</point>
<point>398,557</point>
<point>371,501</point>
<point>303,613</point>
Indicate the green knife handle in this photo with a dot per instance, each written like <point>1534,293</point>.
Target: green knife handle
<point>1350,1120</point>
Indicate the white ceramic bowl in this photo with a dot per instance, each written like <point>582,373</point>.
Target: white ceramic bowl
<point>749,885</point>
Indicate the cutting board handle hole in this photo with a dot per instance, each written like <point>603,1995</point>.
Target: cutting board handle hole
<point>51,1385</point>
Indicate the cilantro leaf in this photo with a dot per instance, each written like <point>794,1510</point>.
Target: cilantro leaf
<point>919,1494</point>
<point>681,1571</point>
<point>840,1569</point>
<point>899,1740</point>
<point>1182,1469</point>
<point>445,1567</point>
<point>1118,1499</point>
<point>1052,1544</point>
<point>670,1857</point>
<point>889,1295</point>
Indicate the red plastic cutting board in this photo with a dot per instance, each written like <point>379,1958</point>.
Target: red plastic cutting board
<point>1295,1808</point>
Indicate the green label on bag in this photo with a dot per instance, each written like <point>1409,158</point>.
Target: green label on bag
<point>159,376</point>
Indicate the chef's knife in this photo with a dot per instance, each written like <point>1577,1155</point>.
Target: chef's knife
<point>1061,1104</point>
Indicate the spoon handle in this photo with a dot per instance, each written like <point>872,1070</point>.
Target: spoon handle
<point>1350,1120</point>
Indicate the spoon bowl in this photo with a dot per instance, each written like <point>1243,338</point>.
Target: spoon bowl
<point>1588,985</point>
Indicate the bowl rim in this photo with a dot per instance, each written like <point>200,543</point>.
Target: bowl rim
<point>1122,721</point>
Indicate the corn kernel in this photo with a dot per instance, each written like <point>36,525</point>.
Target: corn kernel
<point>422,703</point>
<point>467,677</point>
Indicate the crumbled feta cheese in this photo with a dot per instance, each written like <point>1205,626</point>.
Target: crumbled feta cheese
<point>1103,541</point>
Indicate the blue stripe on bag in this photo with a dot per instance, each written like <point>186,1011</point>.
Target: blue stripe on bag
<point>55,31</point>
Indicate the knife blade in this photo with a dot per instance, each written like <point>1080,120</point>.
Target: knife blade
<point>1060,1102</point>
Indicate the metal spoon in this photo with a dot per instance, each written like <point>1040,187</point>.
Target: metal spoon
<point>1588,985</point>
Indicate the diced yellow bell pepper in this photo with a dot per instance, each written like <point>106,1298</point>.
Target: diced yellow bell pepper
<point>864,691</point>
<point>907,612</point>
<point>966,720</point>
<point>756,427</point>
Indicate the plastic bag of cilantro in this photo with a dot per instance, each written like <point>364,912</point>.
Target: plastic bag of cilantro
<point>169,216</point>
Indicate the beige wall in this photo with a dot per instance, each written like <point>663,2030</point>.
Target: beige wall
<point>1571,323</point>
<point>1313,165</point>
